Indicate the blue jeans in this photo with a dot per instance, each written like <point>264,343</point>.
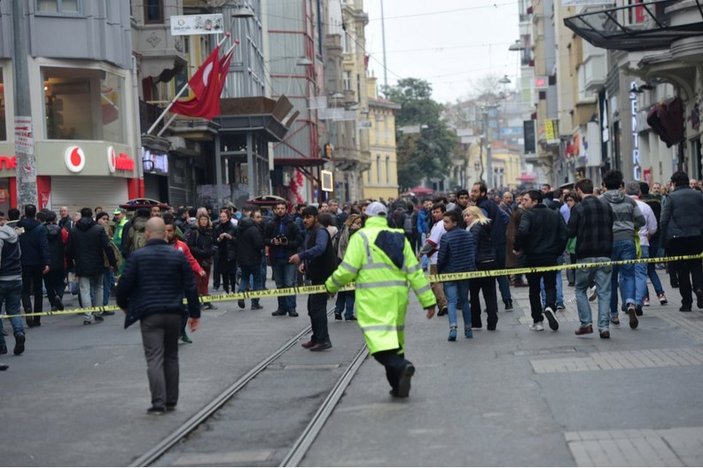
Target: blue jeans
<point>602,277</point>
<point>560,290</point>
<point>503,281</point>
<point>108,283</point>
<point>11,295</point>
<point>457,292</point>
<point>345,301</point>
<point>91,292</point>
<point>623,250</point>
<point>652,271</point>
<point>253,271</point>
<point>284,276</point>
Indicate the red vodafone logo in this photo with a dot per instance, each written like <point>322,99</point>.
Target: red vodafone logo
<point>74,157</point>
<point>111,163</point>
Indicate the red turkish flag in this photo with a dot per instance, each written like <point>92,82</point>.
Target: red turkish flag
<point>206,86</point>
<point>201,78</point>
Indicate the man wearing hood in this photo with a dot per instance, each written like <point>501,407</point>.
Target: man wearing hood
<point>318,260</point>
<point>283,238</point>
<point>11,283</point>
<point>34,246</point>
<point>87,243</point>
<point>628,220</point>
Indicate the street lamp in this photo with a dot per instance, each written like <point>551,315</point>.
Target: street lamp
<point>516,46</point>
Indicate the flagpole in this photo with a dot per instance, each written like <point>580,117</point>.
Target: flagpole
<point>173,116</point>
<point>178,95</point>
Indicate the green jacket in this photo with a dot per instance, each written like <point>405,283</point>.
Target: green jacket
<point>381,287</point>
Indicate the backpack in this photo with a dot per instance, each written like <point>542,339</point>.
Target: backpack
<point>138,239</point>
<point>116,252</point>
<point>408,225</point>
<point>335,244</point>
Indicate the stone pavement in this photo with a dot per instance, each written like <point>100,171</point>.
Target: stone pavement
<point>515,397</point>
<point>511,397</point>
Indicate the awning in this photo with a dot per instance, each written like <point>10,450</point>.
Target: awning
<point>636,27</point>
<point>422,190</point>
<point>525,177</point>
<point>300,162</point>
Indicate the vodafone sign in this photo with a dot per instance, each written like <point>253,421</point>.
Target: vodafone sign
<point>111,159</point>
<point>121,162</point>
<point>74,157</point>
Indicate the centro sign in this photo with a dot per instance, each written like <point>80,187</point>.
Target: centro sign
<point>121,162</point>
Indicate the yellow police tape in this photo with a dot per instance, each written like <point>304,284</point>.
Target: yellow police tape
<point>302,290</point>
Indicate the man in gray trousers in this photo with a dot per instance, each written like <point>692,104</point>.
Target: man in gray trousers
<point>155,280</point>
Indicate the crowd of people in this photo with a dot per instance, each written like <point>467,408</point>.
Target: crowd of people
<point>543,228</point>
<point>42,252</point>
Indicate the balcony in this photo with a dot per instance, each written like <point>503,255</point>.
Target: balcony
<point>158,49</point>
<point>594,72</point>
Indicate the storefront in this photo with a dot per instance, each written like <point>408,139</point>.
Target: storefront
<point>74,174</point>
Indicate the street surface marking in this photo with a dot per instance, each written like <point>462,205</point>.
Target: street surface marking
<point>646,447</point>
<point>639,359</point>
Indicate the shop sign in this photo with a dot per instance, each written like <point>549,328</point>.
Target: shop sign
<point>74,157</point>
<point>8,163</point>
<point>197,24</point>
<point>122,162</point>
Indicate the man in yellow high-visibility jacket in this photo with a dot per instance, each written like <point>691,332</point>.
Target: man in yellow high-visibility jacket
<point>382,263</point>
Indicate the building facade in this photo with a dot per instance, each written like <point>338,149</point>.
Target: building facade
<point>381,179</point>
<point>82,100</point>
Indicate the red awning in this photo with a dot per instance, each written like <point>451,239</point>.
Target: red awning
<point>419,190</point>
<point>525,177</point>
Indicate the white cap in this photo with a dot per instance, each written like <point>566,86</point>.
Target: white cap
<point>376,209</point>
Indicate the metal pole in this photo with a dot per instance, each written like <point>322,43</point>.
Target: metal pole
<point>489,155</point>
<point>180,92</point>
<point>383,42</point>
<point>24,135</point>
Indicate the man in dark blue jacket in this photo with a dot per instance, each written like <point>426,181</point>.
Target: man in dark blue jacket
<point>151,290</point>
<point>35,261</point>
<point>457,254</point>
<point>283,238</point>
<point>479,194</point>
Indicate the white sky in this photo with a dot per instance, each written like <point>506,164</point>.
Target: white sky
<point>450,43</point>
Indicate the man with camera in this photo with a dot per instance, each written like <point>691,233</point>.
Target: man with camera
<point>282,237</point>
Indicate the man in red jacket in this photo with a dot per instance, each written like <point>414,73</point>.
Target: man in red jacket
<point>172,239</point>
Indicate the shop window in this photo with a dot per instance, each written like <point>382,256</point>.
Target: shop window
<point>153,11</point>
<point>3,108</point>
<point>58,6</point>
<point>82,104</point>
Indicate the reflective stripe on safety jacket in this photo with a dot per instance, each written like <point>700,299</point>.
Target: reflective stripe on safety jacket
<point>381,287</point>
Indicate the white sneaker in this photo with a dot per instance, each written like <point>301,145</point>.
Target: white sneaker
<point>537,326</point>
<point>591,293</point>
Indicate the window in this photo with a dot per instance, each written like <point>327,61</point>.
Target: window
<point>153,11</point>
<point>388,169</point>
<point>83,104</point>
<point>378,169</point>
<point>3,108</point>
<point>347,81</point>
<point>57,6</point>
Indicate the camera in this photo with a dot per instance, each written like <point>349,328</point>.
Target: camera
<point>282,239</point>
